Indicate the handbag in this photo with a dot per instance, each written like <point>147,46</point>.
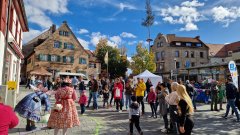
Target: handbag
<point>118,93</point>
<point>44,118</point>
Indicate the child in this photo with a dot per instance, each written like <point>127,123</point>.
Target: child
<point>105,96</point>
<point>134,115</point>
<point>83,101</point>
<point>152,100</point>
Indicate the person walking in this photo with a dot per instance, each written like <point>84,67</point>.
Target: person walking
<point>221,94</point>
<point>83,101</point>
<point>112,91</point>
<point>67,116</point>
<point>134,116</point>
<point>148,86</point>
<point>128,93</point>
<point>185,110</point>
<point>163,106</point>
<point>81,85</point>
<point>118,88</point>
<point>140,89</point>
<point>152,100</point>
<point>214,96</point>
<point>57,84</point>
<point>172,100</point>
<point>8,122</point>
<point>30,106</point>
<point>231,91</point>
<point>74,82</point>
<point>28,83</point>
<point>158,91</point>
<point>93,92</point>
<point>105,96</point>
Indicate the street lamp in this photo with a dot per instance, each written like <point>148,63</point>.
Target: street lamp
<point>175,62</point>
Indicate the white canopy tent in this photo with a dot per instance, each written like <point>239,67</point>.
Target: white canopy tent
<point>147,74</point>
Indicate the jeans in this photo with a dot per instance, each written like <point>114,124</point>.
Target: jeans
<point>135,120</point>
<point>140,100</point>
<point>122,99</point>
<point>82,108</point>
<point>118,102</point>
<point>165,121</point>
<point>214,102</point>
<point>231,103</point>
<point>156,105</point>
<point>95,96</point>
<point>89,98</point>
<point>112,95</point>
<point>153,108</point>
<point>173,117</point>
<point>128,100</point>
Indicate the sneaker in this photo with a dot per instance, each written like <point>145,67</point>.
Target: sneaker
<point>150,116</point>
<point>120,111</point>
<point>164,130</point>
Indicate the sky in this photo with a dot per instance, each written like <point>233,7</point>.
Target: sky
<point>215,21</point>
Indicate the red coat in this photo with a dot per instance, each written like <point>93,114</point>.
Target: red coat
<point>152,97</point>
<point>120,87</point>
<point>83,100</point>
<point>8,119</point>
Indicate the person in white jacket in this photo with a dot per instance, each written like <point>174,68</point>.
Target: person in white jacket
<point>172,99</point>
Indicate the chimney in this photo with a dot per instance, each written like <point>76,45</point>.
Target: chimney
<point>197,37</point>
<point>53,28</point>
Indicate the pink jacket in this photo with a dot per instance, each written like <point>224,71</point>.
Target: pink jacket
<point>83,100</point>
<point>8,119</point>
<point>152,97</point>
<point>120,87</point>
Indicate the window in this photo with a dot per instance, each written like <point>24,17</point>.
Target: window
<point>176,53</point>
<point>43,57</point>
<point>187,64</point>
<point>68,46</point>
<point>57,44</point>
<point>178,43</point>
<point>229,53</point>
<point>192,64</point>
<point>177,65</point>
<point>201,55</point>
<point>158,56</point>
<point>64,33</point>
<point>68,59</point>
<point>162,54</point>
<point>61,33</point>
<point>186,54</point>
<point>69,71</point>
<point>82,61</point>
<point>189,44</point>
<point>192,54</point>
<point>92,65</point>
<point>199,45</point>
<point>54,58</point>
<point>159,44</point>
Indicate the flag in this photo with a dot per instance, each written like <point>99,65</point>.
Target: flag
<point>106,58</point>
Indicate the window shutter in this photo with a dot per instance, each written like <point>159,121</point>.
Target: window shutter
<point>58,59</point>
<point>65,45</point>
<point>73,47</point>
<point>49,57</point>
<point>80,61</point>
<point>72,59</point>
<point>40,57</point>
<point>60,44</point>
<point>64,59</point>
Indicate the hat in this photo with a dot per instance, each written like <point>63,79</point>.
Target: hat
<point>133,98</point>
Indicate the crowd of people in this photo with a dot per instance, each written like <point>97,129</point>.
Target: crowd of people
<point>173,100</point>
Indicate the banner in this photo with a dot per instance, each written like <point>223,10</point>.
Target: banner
<point>234,73</point>
<point>106,58</point>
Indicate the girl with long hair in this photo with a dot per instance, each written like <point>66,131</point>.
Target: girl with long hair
<point>185,110</point>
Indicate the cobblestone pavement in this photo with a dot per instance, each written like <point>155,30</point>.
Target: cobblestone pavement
<point>110,122</point>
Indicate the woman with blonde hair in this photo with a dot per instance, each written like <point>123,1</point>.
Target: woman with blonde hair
<point>185,110</point>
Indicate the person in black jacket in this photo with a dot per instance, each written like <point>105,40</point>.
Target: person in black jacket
<point>231,91</point>
<point>148,86</point>
<point>81,84</point>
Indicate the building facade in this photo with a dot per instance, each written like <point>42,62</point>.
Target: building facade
<point>12,25</point>
<point>58,50</point>
<point>174,54</point>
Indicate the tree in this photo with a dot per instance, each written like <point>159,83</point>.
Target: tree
<point>143,60</point>
<point>117,64</point>
<point>149,20</point>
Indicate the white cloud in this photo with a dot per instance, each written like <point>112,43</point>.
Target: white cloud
<point>132,42</point>
<point>38,10</point>
<point>186,14</point>
<point>127,35</point>
<point>112,40</point>
<point>193,3</point>
<point>83,31</point>
<point>84,43</point>
<point>116,39</point>
<point>27,36</point>
<point>156,23</point>
<point>225,15</point>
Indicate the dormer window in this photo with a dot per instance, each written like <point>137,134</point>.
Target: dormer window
<point>199,45</point>
<point>64,33</point>
<point>178,43</point>
<point>189,44</point>
<point>159,44</point>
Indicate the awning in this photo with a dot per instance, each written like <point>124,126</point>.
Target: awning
<point>40,71</point>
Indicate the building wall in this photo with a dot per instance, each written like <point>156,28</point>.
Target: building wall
<point>2,41</point>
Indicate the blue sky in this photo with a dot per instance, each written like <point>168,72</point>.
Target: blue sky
<point>215,21</point>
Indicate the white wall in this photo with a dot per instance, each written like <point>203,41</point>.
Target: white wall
<point>2,45</point>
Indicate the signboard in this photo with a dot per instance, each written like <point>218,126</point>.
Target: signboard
<point>234,73</point>
<point>12,85</point>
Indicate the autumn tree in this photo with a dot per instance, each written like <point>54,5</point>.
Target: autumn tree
<point>142,60</point>
<point>117,64</point>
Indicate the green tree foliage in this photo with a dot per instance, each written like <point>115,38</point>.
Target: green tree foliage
<point>143,60</point>
<point>149,20</point>
<point>117,64</point>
